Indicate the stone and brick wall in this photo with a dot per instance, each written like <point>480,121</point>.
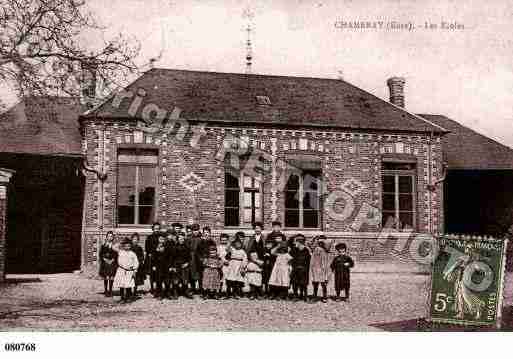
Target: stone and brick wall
<point>5,176</point>
<point>3,220</point>
<point>349,160</point>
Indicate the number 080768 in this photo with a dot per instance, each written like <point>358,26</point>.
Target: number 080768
<point>20,347</point>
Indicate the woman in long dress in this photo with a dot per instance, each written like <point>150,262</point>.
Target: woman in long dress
<point>108,263</point>
<point>127,268</point>
<point>465,300</point>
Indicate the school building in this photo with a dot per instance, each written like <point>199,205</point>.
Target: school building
<point>225,150</point>
<point>319,155</point>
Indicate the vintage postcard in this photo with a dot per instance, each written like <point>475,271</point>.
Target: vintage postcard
<point>255,166</point>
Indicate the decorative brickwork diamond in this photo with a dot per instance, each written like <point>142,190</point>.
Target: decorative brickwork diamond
<point>192,182</point>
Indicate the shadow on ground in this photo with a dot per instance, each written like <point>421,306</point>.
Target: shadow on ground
<point>65,309</point>
<point>422,325</point>
<point>11,281</point>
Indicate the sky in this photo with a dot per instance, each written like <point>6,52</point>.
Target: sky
<point>465,74</point>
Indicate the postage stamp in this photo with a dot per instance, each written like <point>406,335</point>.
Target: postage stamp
<point>467,281</point>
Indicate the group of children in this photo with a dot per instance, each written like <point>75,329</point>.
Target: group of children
<point>192,262</point>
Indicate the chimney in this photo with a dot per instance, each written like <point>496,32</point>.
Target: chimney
<point>396,87</point>
<point>89,82</point>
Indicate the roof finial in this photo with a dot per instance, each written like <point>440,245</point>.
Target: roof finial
<point>249,51</point>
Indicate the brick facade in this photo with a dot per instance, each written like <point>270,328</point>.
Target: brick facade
<point>350,161</point>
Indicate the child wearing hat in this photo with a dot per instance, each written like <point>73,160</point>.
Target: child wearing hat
<point>125,273</point>
<point>212,273</point>
<point>280,276</point>
<point>300,267</point>
<point>237,261</point>
<point>341,267</point>
<point>320,268</point>
<point>254,275</point>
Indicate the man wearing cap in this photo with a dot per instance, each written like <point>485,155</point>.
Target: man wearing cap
<point>193,242</point>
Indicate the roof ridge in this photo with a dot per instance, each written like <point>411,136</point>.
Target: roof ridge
<point>312,78</point>
<point>396,117</point>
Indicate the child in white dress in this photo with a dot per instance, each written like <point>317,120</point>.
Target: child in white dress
<point>127,268</point>
<point>237,261</point>
<point>280,276</point>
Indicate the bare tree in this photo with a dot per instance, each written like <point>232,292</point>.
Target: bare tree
<point>42,49</point>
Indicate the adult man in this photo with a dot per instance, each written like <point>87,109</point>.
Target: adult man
<point>150,247</point>
<point>255,243</point>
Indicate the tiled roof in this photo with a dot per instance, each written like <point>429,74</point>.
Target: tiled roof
<point>42,125</point>
<point>464,148</point>
<point>294,101</point>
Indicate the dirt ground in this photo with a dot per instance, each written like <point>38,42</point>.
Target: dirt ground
<point>63,302</point>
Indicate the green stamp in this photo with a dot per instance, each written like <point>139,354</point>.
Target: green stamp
<point>467,280</point>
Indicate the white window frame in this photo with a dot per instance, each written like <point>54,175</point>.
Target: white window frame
<point>396,174</point>
<point>137,166</point>
<point>301,200</point>
<point>242,190</point>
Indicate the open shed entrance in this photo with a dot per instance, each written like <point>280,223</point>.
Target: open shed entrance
<point>44,215</point>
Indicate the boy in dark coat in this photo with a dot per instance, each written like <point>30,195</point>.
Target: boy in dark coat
<point>160,266</point>
<point>180,265</point>
<point>341,266</point>
<point>149,247</point>
<point>300,267</point>
<point>194,243</point>
<point>267,267</point>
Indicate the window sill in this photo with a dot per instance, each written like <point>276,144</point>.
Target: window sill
<point>302,229</point>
